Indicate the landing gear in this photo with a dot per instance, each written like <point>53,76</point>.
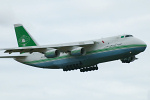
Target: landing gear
<point>129,59</point>
<point>82,69</point>
<point>73,66</point>
<point>86,69</point>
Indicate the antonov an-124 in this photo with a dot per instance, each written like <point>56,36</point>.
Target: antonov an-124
<point>83,55</point>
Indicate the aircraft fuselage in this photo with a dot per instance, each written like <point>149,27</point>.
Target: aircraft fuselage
<point>103,50</point>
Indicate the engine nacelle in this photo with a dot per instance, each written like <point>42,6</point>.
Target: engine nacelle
<point>78,51</point>
<point>52,53</point>
<point>129,59</point>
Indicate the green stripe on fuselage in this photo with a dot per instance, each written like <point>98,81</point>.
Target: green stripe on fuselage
<point>89,52</point>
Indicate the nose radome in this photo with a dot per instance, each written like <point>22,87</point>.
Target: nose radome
<point>143,44</point>
<point>139,42</point>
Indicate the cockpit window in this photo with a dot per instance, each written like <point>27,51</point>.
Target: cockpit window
<point>129,36</point>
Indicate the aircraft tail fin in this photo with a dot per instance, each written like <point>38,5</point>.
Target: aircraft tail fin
<point>24,39</point>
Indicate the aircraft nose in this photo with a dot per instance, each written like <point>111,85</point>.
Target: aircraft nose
<point>143,45</point>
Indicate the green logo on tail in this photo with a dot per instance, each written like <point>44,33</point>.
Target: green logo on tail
<point>24,40</point>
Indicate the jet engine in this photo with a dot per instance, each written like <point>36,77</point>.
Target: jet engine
<point>78,51</point>
<point>51,53</point>
<point>129,59</point>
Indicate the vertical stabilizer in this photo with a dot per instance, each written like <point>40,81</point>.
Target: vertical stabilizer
<point>23,37</point>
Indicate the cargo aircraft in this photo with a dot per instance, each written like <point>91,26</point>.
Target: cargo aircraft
<point>83,55</point>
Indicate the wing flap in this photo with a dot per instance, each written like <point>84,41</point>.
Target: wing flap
<point>13,56</point>
<point>23,50</point>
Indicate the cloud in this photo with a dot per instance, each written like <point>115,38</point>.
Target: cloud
<point>6,17</point>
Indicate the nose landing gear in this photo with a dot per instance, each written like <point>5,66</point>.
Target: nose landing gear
<point>129,59</point>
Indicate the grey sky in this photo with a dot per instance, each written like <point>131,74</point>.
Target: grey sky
<point>60,21</point>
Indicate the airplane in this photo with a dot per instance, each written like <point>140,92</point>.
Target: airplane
<point>84,55</point>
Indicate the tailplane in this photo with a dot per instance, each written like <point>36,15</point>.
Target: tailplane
<point>23,37</point>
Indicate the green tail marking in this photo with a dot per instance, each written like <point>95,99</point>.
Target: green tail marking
<point>23,37</point>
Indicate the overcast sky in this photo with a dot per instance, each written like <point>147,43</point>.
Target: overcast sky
<point>61,21</point>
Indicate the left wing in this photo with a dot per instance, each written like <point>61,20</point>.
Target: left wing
<point>61,47</point>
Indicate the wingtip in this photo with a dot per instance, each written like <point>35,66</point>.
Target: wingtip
<point>17,25</point>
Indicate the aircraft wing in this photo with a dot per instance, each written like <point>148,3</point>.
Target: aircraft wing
<point>61,47</point>
<point>19,56</point>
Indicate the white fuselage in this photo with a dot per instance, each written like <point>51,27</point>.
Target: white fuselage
<point>103,50</point>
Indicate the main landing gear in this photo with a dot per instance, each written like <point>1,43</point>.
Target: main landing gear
<point>82,69</point>
<point>86,69</point>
